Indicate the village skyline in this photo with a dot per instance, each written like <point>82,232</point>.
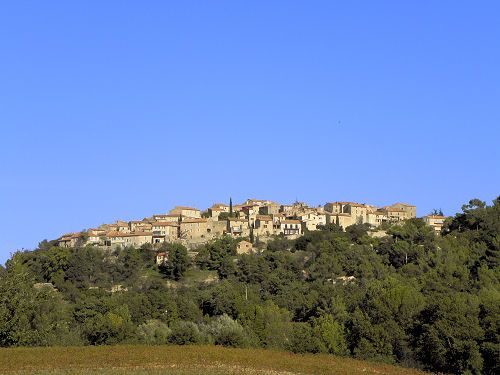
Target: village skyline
<point>253,220</point>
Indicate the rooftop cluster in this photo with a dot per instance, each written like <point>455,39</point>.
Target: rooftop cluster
<point>254,218</point>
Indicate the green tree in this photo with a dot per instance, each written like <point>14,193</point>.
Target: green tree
<point>330,334</point>
<point>177,262</point>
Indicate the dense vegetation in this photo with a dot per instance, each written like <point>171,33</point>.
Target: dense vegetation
<point>411,297</point>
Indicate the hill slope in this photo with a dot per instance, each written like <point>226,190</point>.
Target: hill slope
<point>185,360</point>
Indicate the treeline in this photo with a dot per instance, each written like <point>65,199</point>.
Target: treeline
<point>411,297</point>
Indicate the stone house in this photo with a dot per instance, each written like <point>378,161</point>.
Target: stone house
<point>193,229</point>
<point>264,225</point>
<point>311,220</point>
<point>269,209</point>
<point>375,218</point>
<point>291,228</point>
<point>216,228</point>
<point>161,258</point>
<point>165,231</point>
<point>185,211</point>
<point>238,227</point>
<point>343,219</point>
<point>244,247</point>
<point>400,211</point>
<point>435,221</point>
<point>166,217</point>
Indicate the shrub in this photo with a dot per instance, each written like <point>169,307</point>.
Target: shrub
<point>227,332</point>
<point>153,332</point>
<point>185,333</point>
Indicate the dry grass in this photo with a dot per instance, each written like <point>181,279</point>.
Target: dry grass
<point>180,360</point>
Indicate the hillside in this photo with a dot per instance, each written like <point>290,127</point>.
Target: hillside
<point>175,360</point>
<point>412,297</point>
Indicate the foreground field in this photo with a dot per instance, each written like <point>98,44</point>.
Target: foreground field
<point>180,360</point>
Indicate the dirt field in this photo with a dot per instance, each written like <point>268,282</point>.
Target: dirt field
<point>180,360</point>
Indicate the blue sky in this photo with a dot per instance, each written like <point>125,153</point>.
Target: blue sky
<point>121,109</point>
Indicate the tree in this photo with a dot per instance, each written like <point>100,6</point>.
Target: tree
<point>230,207</point>
<point>31,316</point>
<point>448,334</point>
<point>153,332</point>
<point>437,212</point>
<point>177,261</point>
<point>330,334</point>
<point>227,332</point>
<point>185,333</point>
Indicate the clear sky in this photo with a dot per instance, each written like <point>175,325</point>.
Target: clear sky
<point>121,109</point>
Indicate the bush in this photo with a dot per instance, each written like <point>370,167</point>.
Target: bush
<point>227,332</point>
<point>301,339</point>
<point>185,333</point>
<point>153,332</point>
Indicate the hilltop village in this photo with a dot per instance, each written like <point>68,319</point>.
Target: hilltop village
<point>253,219</point>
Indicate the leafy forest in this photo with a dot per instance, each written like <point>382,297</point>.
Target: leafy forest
<point>410,297</point>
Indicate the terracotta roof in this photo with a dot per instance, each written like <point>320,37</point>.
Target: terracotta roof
<point>264,217</point>
<point>236,219</point>
<point>132,234</point>
<point>290,221</point>
<point>436,216</point>
<point>185,208</point>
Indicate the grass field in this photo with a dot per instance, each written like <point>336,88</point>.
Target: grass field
<point>180,360</point>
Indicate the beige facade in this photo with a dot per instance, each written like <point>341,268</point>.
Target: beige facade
<point>166,217</point>
<point>435,221</point>
<point>269,209</point>
<point>244,247</point>
<point>285,208</point>
<point>344,220</point>
<point>185,211</point>
<point>71,240</point>
<point>139,226</point>
<point>257,202</point>
<point>136,239</point>
<point>215,212</point>
<point>264,225</point>
<point>167,230</point>
<point>221,207</point>
<point>311,220</point>
<point>238,227</point>
<point>193,229</point>
<point>375,218</point>
<point>216,228</point>
<point>292,228</point>
<point>400,211</point>
<point>335,207</point>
